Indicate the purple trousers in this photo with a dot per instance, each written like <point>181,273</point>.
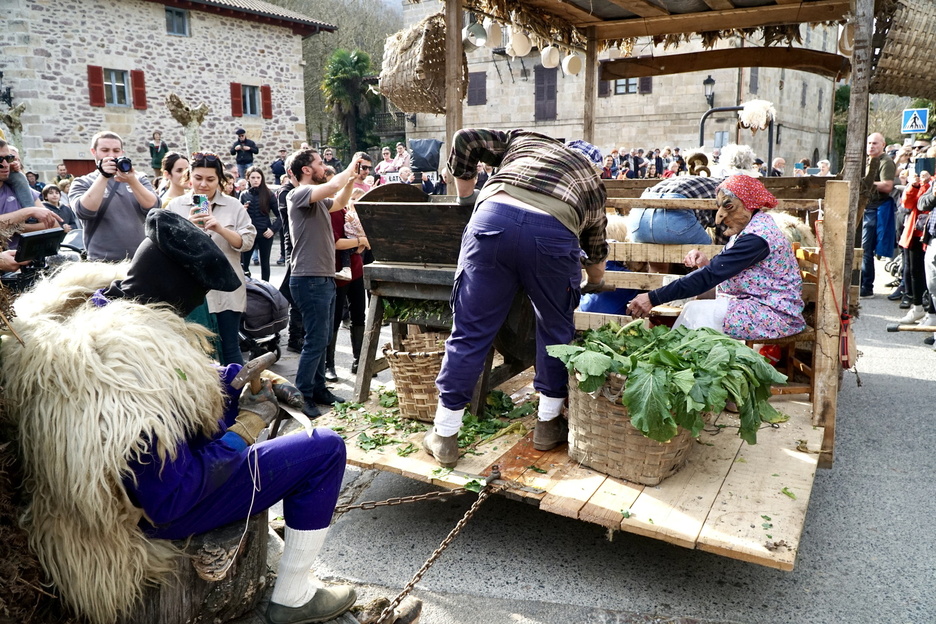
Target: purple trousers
<point>505,248</point>
<point>213,482</point>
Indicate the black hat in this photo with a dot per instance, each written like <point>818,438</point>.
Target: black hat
<point>177,263</point>
<point>240,131</point>
<point>758,161</point>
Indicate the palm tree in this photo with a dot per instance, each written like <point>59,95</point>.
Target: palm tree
<point>347,97</point>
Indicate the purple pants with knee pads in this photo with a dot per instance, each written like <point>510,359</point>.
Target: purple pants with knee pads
<point>504,248</point>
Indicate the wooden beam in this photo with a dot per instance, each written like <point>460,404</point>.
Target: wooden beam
<point>591,87</point>
<point>643,8</point>
<point>453,69</point>
<point>777,15</point>
<point>821,63</point>
<point>720,5</point>
<point>572,13</point>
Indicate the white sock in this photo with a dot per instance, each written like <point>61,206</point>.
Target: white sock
<point>293,587</point>
<point>447,422</point>
<point>549,407</point>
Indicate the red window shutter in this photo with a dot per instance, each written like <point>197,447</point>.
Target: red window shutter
<point>266,102</point>
<point>96,85</point>
<point>138,84</point>
<point>237,104</point>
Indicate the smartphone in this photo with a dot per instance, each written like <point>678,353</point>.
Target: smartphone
<point>799,166</point>
<point>357,167</point>
<point>202,202</point>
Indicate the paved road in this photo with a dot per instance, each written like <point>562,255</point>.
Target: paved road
<point>867,554</point>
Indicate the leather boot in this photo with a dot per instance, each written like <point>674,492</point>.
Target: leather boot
<point>330,374</point>
<point>327,604</point>
<point>549,434</point>
<point>357,341</point>
<point>443,448</point>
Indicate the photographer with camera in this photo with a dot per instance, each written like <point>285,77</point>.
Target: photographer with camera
<point>112,201</point>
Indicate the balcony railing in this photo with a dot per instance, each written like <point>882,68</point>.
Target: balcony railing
<point>391,123</point>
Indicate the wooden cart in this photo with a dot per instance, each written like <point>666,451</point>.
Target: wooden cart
<point>740,501</point>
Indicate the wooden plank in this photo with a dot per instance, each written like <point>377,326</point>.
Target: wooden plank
<point>594,320</point>
<point>720,5</point>
<point>675,511</point>
<point>627,203</point>
<point>824,64</point>
<point>591,87</point>
<point>807,187</point>
<point>454,58</point>
<point>426,233</point>
<point>571,489</point>
<point>754,488</point>
<point>642,8</point>
<point>645,252</point>
<point>610,500</point>
<point>818,11</point>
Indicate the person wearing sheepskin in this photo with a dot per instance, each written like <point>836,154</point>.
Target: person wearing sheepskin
<point>758,279</point>
<point>130,435</point>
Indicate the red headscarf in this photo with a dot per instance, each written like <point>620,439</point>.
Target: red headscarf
<point>750,191</point>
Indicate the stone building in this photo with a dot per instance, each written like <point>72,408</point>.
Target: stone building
<point>661,111</point>
<point>81,66</point>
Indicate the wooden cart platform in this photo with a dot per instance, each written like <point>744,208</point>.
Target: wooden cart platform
<point>740,501</point>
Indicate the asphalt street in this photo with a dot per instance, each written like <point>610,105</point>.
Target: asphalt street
<point>866,556</point>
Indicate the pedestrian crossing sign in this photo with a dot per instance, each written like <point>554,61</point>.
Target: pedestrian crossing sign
<point>915,120</point>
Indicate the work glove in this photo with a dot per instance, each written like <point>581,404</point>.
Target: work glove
<point>255,411</point>
<point>588,288</point>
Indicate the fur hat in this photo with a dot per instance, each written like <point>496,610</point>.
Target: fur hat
<point>177,263</point>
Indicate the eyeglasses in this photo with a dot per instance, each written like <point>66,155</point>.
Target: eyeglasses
<point>208,157</point>
<point>8,158</point>
<point>365,167</point>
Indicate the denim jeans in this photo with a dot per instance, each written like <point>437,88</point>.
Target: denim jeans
<point>666,227</point>
<point>315,298</point>
<point>868,243</point>
<point>228,327</point>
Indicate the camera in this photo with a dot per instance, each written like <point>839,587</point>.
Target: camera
<point>124,164</point>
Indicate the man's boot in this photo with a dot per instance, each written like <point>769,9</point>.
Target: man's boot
<point>549,434</point>
<point>443,448</point>
<point>330,374</point>
<point>357,341</point>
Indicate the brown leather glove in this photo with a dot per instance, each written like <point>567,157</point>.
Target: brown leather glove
<point>284,390</point>
<point>256,411</point>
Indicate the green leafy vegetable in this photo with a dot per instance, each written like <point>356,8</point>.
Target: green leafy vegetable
<point>675,376</point>
<point>474,486</point>
<point>537,469</point>
<point>787,492</point>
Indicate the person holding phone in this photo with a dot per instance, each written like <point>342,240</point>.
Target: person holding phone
<point>224,219</point>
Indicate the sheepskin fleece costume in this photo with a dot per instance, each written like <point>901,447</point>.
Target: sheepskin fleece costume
<point>87,392</point>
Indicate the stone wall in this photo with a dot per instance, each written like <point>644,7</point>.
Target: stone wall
<point>668,116</point>
<point>49,44</point>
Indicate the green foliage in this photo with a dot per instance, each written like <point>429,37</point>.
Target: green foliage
<point>404,309</point>
<point>349,98</point>
<point>674,376</point>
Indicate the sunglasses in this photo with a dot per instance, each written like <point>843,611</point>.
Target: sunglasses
<point>8,158</point>
<point>365,167</point>
<point>208,157</point>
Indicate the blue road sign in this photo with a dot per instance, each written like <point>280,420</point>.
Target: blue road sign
<point>915,120</point>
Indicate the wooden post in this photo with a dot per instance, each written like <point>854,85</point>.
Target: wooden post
<point>453,68</point>
<point>591,89</point>
<point>832,277</point>
<point>854,165</point>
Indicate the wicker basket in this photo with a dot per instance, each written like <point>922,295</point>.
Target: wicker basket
<point>413,73</point>
<point>602,437</point>
<point>414,373</point>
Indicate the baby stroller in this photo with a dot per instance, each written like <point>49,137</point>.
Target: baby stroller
<point>266,315</point>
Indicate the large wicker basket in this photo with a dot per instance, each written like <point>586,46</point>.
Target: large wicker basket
<point>414,373</point>
<point>602,437</point>
<point>413,74</point>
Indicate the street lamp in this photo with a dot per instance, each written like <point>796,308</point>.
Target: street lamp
<point>709,84</point>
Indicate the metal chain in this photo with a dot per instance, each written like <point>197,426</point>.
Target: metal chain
<point>489,488</point>
<point>400,500</point>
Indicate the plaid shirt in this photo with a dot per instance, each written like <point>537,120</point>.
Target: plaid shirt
<point>541,164</point>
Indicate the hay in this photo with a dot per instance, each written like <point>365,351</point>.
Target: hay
<point>903,38</point>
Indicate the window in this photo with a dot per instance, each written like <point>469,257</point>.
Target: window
<point>721,138</point>
<point>808,35</point>
<point>544,107</point>
<point>250,100</point>
<point>177,22</point>
<point>755,76</point>
<point>625,85</point>
<point>803,96</point>
<point>821,97</point>
<point>477,88</point>
<point>645,84</point>
<point>825,38</point>
<point>115,87</point>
